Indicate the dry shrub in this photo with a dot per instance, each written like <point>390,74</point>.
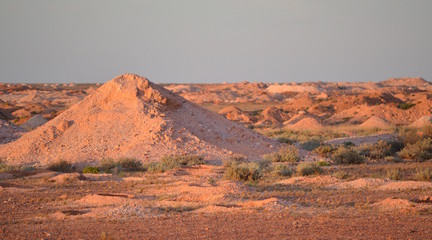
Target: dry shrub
<point>308,168</point>
<point>325,150</point>
<point>395,174</point>
<point>419,151</point>
<point>251,171</point>
<point>344,155</point>
<point>175,161</point>
<point>61,166</point>
<point>286,154</point>
<point>283,170</point>
<point>423,174</point>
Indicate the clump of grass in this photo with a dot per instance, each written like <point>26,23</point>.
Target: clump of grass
<point>251,171</point>
<point>61,166</point>
<point>325,150</point>
<point>323,163</point>
<point>286,154</point>
<point>285,140</point>
<point>419,151</point>
<point>423,174</point>
<point>107,165</point>
<point>283,170</point>
<point>395,174</point>
<point>308,168</point>
<point>344,155</point>
<point>175,161</point>
<point>91,169</point>
<point>340,174</point>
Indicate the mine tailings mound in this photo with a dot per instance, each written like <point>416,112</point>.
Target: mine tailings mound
<point>131,117</point>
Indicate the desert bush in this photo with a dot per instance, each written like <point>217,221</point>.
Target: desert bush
<point>340,174</point>
<point>323,163</point>
<point>243,171</point>
<point>409,136</point>
<point>107,165</point>
<point>308,168</point>
<point>395,146</point>
<point>175,161</point>
<point>379,150</point>
<point>91,169</point>
<point>419,151</point>
<point>285,140</point>
<point>283,170</point>
<point>325,150</point>
<point>344,155</point>
<point>129,164</point>
<point>423,174</point>
<point>310,145</point>
<point>405,105</point>
<point>395,174</point>
<point>61,166</point>
<point>286,154</point>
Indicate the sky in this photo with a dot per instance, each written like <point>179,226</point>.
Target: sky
<point>213,41</point>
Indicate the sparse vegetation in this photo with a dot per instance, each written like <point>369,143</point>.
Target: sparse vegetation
<point>283,170</point>
<point>91,169</point>
<point>61,166</point>
<point>395,174</point>
<point>286,154</point>
<point>423,174</point>
<point>345,155</point>
<point>251,171</point>
<point>323,163</point>
<point>174,161</point>
<point>325,150</point>
<point>310,145</point>
<point>340,174</point>
<point>306,169</point>
<point>129,165</point>
<point>419,151</point>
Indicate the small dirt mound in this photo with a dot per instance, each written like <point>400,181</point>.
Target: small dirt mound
<point>235,114</point>
<point>271,115</point>
<point>361,183</point>
<point>307,123</point>
<point>395,204</point>
<point>422,122</point>
<point>376,122</point>
<point>67,178</point>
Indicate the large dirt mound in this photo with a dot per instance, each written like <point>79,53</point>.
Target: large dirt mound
<point>131,117</point>
<point>307,123</point>
<point>412,82</point>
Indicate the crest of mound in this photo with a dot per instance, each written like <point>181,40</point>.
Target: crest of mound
<point>413,82</point>
<point>307,123</point>
<point>422,122</point>
<point>131,117</point>
<point>376,122</point>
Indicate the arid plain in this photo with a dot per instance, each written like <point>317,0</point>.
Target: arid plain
<point>134,159</point>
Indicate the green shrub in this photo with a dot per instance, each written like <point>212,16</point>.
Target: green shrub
<point>323,163</point>
<point>286,154</point>
<point>325,150</point>
<point>379,150</point>
<point>405,106</point>
<point>395,174</point>
<point>419,151</point>
<point>340,174</point>
<point>344,155</point>
<point>243,171</point>
<point>423,174</point>
<point>61,166</point>
<point>91,169</point>
<point>283,170</point>
<point>308,168</point>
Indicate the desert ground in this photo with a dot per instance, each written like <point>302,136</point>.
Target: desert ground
<point>132,159</point>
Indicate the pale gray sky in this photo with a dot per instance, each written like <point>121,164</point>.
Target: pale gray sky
<point>215,40</point>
